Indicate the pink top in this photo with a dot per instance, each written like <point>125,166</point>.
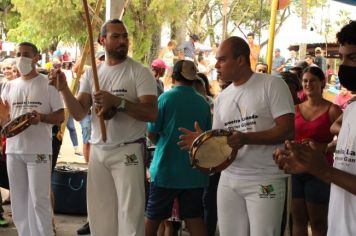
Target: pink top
<point>341,101</point>
<point>317,129</point>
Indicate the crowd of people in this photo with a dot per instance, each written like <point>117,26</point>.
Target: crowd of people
<point>281,124</point>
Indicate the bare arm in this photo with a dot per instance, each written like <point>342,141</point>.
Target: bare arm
<point>338,177</point>
<point>54,118</point>
<point>4,112</point>
<point>284,129</point>
<point>145,109</point>
<point>78,107</point>
<point>299,158</point>
<point>336,126</point>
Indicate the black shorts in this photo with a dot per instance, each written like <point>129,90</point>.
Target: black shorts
<point>310,188</point>
<point>160,202</point>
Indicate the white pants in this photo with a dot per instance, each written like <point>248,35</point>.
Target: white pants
<point>29,178</point>
<point>250,207</point>
<point>115,191</point>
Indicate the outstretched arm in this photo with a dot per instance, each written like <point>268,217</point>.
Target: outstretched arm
<point>78,107</point>
<point>299,158</point>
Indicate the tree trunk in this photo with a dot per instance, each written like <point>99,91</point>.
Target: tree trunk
<point>303,46</point>
<point>155,46</point>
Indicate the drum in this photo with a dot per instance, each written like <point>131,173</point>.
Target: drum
<point>210,152</point>
<point>17,125</point>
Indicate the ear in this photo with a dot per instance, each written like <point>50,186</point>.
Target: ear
<point>241,60</point>
<point>36,58</point>
<point>102,41</point>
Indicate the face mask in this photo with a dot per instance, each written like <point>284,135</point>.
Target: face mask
<point>24,64</point>
<point>347,77</point>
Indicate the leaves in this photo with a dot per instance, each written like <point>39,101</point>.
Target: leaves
<point>46,22</point>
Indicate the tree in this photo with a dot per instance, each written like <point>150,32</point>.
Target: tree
<point>9,18</point>
<point>47,22</point>
<point>144,19</point>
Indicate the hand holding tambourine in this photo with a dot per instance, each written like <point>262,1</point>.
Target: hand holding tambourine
<point>4,110</point>
<point>210,151</point>
<point>20,123</point>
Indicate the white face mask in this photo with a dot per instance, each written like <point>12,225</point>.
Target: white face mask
<point>24,65</point>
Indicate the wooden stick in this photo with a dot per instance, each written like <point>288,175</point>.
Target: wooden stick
<point>75,82</point>
<point>93,63</point>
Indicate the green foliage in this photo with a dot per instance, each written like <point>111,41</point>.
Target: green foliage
<point>144,17</point>
<point>46,22</point>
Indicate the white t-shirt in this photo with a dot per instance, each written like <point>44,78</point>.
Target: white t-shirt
<point>25,96</point>
<point>252,107</point>
<point>342,204</point>
<point>129,80</point>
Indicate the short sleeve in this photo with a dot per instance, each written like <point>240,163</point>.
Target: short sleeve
<point>217,123</point>
<point>280,98</point>
<point>146,83</point>
<point>156,127</point>
<point>85,85</point>
<point>55,99</point>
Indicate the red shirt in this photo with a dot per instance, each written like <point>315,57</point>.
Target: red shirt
<point>317,129</point>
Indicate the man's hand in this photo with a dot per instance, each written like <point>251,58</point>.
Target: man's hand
<point>187,139</point>
<point>36,118</point>
<point>57,79</point>
<point>236,140</point>
<point>299,158</point>
<point>104,101</point>
<point>4,111</point>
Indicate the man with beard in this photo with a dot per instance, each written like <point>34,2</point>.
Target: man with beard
<point>116,195</point>
<point>298,158</point>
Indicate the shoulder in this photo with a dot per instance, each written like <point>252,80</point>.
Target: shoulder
<point>334,111</point>
<point>136,66</point>
<point>42,77</point>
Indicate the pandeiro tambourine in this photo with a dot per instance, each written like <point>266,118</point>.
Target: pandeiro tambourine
<point>17,125</point>
<point>210,152</point>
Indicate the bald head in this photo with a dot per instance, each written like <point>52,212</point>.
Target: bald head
<point>238,47</point>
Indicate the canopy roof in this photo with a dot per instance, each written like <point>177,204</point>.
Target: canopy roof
<point>351,2</point>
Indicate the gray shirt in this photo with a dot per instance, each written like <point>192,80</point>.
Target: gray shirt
<point>277,62</point>
<point>188,49</point>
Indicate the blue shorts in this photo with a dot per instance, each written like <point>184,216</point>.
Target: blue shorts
<point>160,202</point>
<point>85,124</point>
<point>310,188</point>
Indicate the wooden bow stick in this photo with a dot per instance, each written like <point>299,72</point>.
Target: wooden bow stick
<point>93,63</point>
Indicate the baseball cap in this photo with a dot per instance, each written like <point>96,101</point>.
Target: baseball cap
<point>187,69</point>
<point>158,63</point>
<point>318,49</point>
<point>195,37</point>
<point>277,50</point>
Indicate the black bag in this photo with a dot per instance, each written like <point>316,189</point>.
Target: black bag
<point>69,189</point>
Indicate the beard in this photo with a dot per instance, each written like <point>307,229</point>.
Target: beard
<point>119,54</point>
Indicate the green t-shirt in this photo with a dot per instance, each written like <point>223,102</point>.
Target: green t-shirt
<point>170,167</point>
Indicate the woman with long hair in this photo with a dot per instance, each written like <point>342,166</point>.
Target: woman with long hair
<point>313,118</point>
